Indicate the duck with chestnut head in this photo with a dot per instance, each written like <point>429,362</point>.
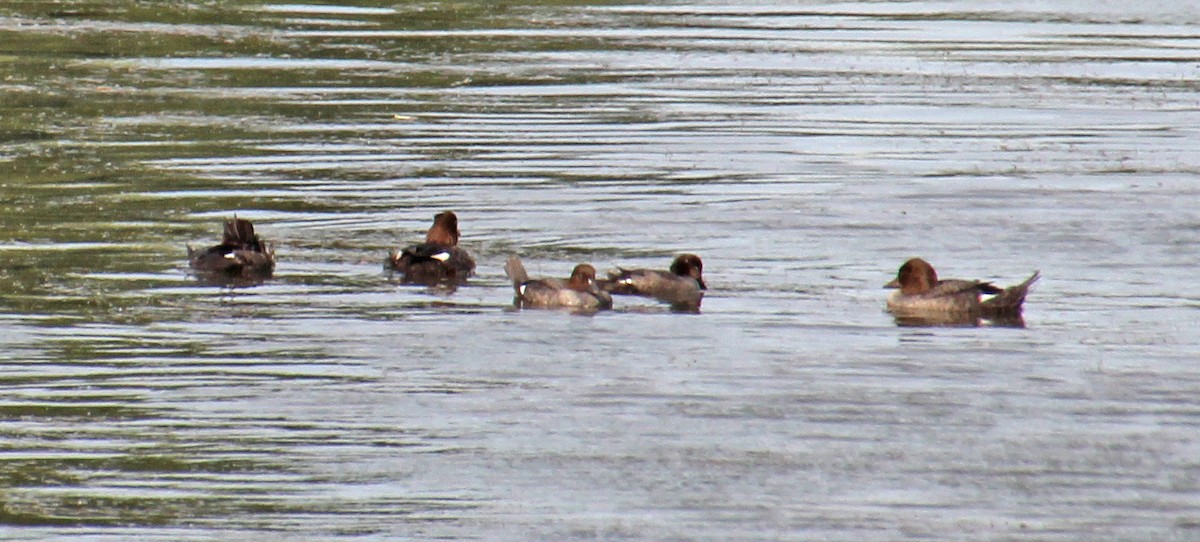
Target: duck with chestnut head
<point>577,293</point>
<point>921,295</point>
<point>681,286</point>
<point>438,260</point>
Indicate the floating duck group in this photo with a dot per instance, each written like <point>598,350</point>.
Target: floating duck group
<point>921,298</point>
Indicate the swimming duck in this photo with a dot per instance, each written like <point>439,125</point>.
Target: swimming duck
<point>578,292</point>
<point>436,260</point>
<point>682,286</point>
<point>922,295</point>
<point>241,254</point>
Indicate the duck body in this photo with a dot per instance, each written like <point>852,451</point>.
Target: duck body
<point>439,259</point>
<point>241,254</point>
<point>429,263</point>
<point>682,285</point>
<point>579,292</point>
<point>951,296</point>
<point>921,295</point>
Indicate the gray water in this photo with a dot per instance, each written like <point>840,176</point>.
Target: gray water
<point>804,150</point>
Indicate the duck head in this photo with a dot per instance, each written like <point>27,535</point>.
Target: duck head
<point>582,277</point>
<point>916,276</point>
<point>444,230</point>
<point>689,265</point>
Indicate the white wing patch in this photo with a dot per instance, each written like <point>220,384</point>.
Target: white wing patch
<point>230,256</point>
<point>441,256</point>
<point>522,289</point>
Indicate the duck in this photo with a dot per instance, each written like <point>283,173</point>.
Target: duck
<point>682,285</point>
<point>578,293</point>
<point>921,295</point>
<point>241,254</point>
<point>438,259</point>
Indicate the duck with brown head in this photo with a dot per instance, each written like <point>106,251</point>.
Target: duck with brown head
<point>438,259</point>
<point>682,286</point>
<point>578,293</point>
<point>241,255</point>
<point>921,295</point>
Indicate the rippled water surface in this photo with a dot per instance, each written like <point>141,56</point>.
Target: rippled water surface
<point>804,149</point>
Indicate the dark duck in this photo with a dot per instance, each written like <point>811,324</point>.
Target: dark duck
<point>438,259</point>
<point>682,285</point>
<point>241,254</point>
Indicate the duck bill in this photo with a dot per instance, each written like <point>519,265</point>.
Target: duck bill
<point>895,283</point>
<point>702,285</point>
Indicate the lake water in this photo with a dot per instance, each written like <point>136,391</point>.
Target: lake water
<point>803,149</point>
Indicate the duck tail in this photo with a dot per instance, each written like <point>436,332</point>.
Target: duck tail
<point>1010,299</point>
<point>619,281</point>
<point>239,231</point>
<point>516,271</point>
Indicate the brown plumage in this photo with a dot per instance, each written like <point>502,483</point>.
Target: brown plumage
<point>682,286</point>
<point>241,254</point>
<point>579,292</point>
<point>438,259</point>
<point>922,294</point>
